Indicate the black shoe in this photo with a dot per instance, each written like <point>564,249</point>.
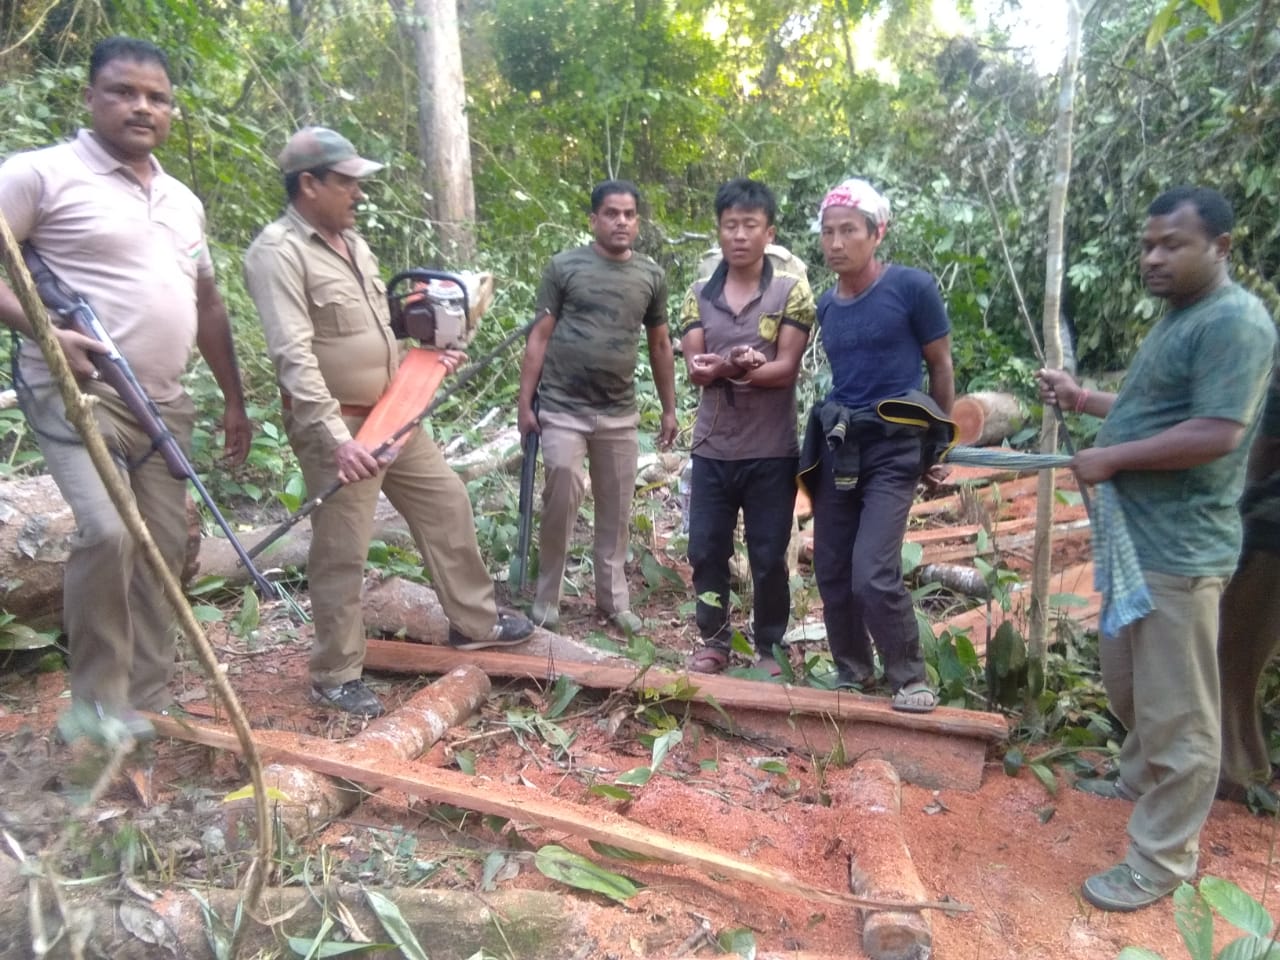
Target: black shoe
<point>352,697</point>
<point>510,629</point>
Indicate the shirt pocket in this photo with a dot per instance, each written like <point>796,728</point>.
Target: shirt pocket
<point>337,308</point>
<point>768,326</point>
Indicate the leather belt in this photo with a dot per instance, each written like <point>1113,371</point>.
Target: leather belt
<point>346,409</point>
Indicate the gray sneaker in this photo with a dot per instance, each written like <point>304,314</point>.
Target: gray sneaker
<point>352,697</point>
<point>1123,889</point>
<point>510,629</point>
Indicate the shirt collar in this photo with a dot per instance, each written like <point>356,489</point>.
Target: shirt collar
<point>97,159</point>
<point>713,289</point>
<point>304,226</point>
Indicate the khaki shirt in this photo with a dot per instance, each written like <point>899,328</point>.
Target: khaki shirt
<point>134,254</point>
<point>327,323</point>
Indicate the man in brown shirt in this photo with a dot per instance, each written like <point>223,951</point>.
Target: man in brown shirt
<point>129,238</point>
<point>323,306</point>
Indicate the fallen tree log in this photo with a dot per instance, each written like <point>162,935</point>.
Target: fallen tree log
<point>524,805</point>
<point>396,607</point>
<point>880,864</point>
<point>986,417</point>
<point>36,529</point>
<point>310,801</point>
<point>453,925</point>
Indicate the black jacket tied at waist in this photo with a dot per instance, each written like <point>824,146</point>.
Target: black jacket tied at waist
<point>842,431</point>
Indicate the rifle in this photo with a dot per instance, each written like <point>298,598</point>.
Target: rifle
<point>461,379</point>
<point>528,471</point>
<point>74,313</point>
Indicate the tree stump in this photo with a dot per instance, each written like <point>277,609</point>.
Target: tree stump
<point>986,417</point>
<point>880,865</point>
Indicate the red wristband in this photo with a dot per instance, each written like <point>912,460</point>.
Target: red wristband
<point>1081,399</point>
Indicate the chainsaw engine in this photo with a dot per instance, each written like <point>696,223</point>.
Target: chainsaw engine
<point>438,309</point>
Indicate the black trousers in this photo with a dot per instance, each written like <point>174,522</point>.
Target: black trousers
<point>857,560</point>
<point>765,491</point>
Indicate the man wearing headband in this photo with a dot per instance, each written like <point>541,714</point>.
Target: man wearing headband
<point>745,331</point>
<point>880,324</point>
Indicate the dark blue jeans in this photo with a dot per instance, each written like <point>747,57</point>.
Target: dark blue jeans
<point>765,491</point>
<point>857,561</point>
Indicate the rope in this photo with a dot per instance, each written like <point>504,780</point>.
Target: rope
<point>1117,573</point>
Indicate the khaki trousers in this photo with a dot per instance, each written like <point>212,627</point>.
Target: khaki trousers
<point>432,498</point>
<point>1161,675</point>
<point>1248,638</point>
<point>611,446</point>
<point>120,627</point>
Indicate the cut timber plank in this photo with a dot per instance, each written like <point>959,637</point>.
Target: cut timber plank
<point>943,749</point>
<point>523,805</point>
<point>1007,491</point>
<point>396,657</point>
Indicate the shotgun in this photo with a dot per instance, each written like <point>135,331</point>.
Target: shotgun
<point>74,313</point>
<point>528,472</point>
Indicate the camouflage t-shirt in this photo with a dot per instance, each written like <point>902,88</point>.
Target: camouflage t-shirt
<point>601,306</point>
<point>1211,360</point>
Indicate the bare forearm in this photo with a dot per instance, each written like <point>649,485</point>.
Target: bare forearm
<point>11,313</point>
<point>942,388</point>
<point>214,343</point>
<point>1191,443</point>
<point>662,363</point>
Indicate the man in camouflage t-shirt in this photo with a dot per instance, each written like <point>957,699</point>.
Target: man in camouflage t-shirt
<point>580,362</point>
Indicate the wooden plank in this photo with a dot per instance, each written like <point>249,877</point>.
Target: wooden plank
<point>415,658</point>
<point>338,759</point>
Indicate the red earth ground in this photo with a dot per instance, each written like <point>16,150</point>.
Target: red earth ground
<point>1012,851</point>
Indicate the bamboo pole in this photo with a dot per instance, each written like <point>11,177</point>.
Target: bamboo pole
<point>1038,644</point>
<point>80,413</point>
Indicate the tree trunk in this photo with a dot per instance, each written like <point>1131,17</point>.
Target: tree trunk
<point>443,136</point>
<point>986,417</point>
<point>1041,569</point>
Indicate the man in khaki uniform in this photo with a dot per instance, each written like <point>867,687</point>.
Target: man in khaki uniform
<point>130,239</point>
<point>324,309</point>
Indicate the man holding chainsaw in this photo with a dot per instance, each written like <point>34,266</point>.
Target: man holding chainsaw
<point>580,361</point>
<point>119,231</point>
<point>324,308</point>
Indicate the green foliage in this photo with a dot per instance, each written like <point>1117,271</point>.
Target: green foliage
<point>577,871</point>
<point>1194,912</point>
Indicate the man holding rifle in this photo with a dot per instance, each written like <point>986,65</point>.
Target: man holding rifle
<point>580,361</point>
<point>115,228</point>
<point>324,308</point>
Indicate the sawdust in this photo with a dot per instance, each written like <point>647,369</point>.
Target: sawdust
<point>1012,851</point>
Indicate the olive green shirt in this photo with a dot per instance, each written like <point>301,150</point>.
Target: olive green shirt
<point>1209,360</point>
<point>327,323</point>
<point>601,306</point>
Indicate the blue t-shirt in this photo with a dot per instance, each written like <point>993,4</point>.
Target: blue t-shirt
<point>875,341</point>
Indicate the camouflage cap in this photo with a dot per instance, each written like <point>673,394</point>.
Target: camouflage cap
<point>315,147</point>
